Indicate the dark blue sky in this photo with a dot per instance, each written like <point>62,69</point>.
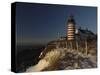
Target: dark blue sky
<point>40,23</point>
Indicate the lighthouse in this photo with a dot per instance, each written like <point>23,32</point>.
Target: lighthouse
<point>71,28</point>
<point>70,32</point>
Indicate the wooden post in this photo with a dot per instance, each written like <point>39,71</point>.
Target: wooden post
<point>86,47</point>
<point>71,45</point>
<point>77,45</point>
<point>66,45</point>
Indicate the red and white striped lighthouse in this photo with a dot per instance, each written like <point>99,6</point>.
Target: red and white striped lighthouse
<point>70,32</point>
<point>71,29</point>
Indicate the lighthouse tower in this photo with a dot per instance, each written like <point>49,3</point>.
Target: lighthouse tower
<point>70,31</point>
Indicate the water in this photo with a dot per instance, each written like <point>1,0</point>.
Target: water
<point>27,55</point>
